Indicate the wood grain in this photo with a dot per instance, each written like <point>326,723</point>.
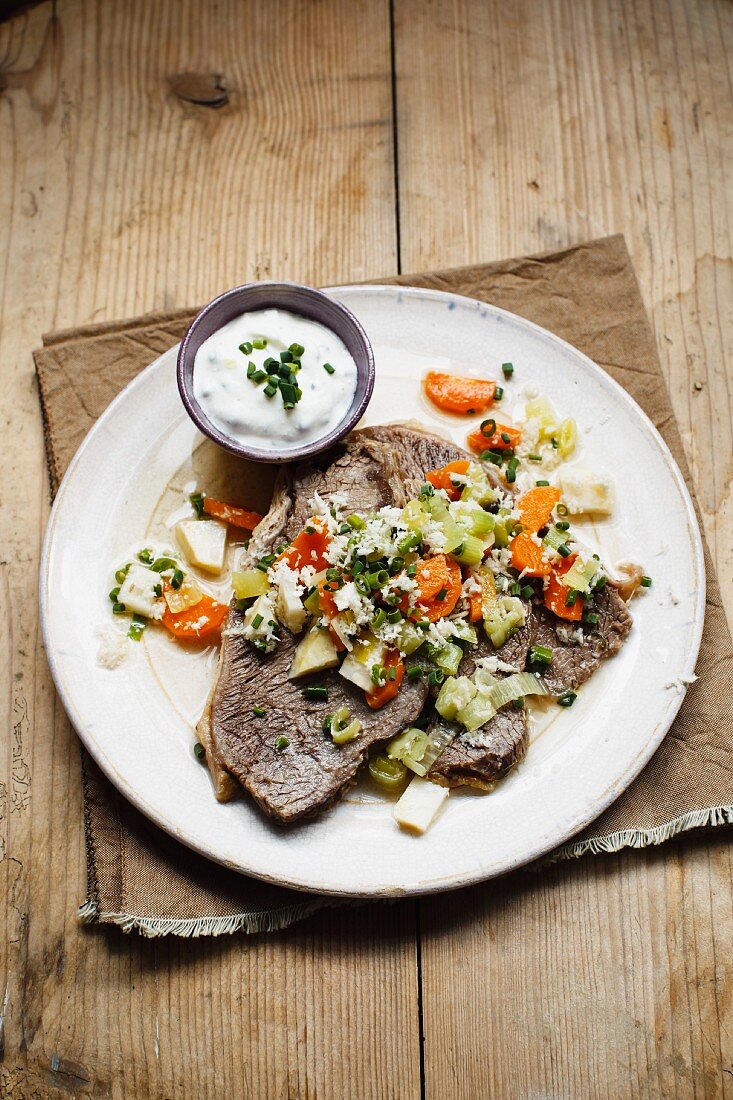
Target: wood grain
<point>523,126</point>
<point>118,194</point>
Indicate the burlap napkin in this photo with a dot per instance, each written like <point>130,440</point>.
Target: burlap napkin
<point>140,878</point>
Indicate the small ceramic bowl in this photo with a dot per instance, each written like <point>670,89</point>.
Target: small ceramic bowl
<point>309,303</point>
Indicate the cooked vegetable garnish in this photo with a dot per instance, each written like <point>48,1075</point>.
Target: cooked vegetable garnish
<point>536,507</point>
<point>528,557</point>
<point>501,438</point>
<point>444,478</point>
<point>646,582</point>
<point>203,620</point>
<point>459,395</point>
<point>316,692</point>
<point>228,513</point>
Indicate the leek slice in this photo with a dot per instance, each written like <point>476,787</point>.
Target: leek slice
<point>567,437</point>
<point>472,550</point>
<point>389,774</point>
<point>472,517</point>
<point>478,487</point>
<point>410,638</point>
<point>580,575</point>
<point>449,658</point>
<point>555,539</point>
<point>516,687</point>
<point>478,712</point>
<point>540,409</point>
<point>503,619</point>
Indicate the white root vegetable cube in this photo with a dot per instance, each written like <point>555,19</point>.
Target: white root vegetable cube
<point>203,542</point>
<point>584,491</point>
<point>137,592</point>
<point>419,804</point>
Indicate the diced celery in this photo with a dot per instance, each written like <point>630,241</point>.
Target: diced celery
<point>477,712</point>
<point>484,680</point>
<point>580,575</point>
<point>439,735</point>
<point>567,437</point>
<point>540,409</point>
<point>463,631</point>
<point>478,487</point>
<point>555,539</point>
<point>452,533</point>
<point>449,658</point>
<point>412,743</point>
<point>414,515</point>
<point>471,550</point>
<point>251,582</point>
<point>501,535</point>
<point>472,517</point>
<point>455,694</point>
<point>506,616</point>
<point>389,774</point>
<point>410,638</point>
<point>515,687</point>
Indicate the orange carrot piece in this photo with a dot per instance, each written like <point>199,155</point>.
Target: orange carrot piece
<point>381,695</point>
<point>308,549</point>
<point>556,593</point>
<point>459,395</point>
<point>337,641</point>
<point>527,556</point>
<point>441,479</point>
<point>479,441</point>
<point>228,513</point>
<point>435,608</point>
<point>536,506</point>
<point>200,621</point>
<point>476,599</point>
<point>432,575</point>
<point>326,601</point>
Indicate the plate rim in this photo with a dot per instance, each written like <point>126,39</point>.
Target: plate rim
<point>470,877</point>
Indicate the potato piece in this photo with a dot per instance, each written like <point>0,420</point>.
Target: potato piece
<point>204,543</point>
<point>417,807</point>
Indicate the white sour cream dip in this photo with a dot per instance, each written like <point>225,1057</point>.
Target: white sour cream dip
<point>240,408</point>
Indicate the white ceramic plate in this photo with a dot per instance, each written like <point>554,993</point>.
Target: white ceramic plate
<point>137,721</point>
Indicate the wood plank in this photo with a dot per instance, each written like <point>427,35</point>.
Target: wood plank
<point>524,126</point>
<point>117,196</point>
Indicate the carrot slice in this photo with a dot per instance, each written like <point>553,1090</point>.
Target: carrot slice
<point>476,599</point>
<point>437,607</point>
<point>308,548</point>
<point>556,594</point>
<point>459,395</point>
<point>536,506</point>
<point>228,513</point>
<point>337,641</point>
<point>389,689</point>
<point>200,621</point>
<point>441,478</point>
<point>326,601</point>
<point>527,556</point>
<point>479,440</point>
<point>432,575</point>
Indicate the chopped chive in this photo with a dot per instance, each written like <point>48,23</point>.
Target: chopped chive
<point>554,443</point>
<point>397,564</point>
<point>507,369</point>
<point>442,594</point>
<point>246,348</point>
<point>357,567</point>
<point>515,589</point>
<point>527,591</point>
<point>122,573</point>
<point>646,582</point>
<point>251,369</point>
<point>513,462</point>
<point>562,510</point>
<point>511,476</point>
<point>146,556</point>
<point>566,699</point>
<point>488,428</point>
<point>562,525</point>
<point>257,622</point>
<point>572,597</point>
<point>392,674</point>
<point>378,674</point>
<point>259,712</point>
<point>534,458</point>
<point>394,617</point>
<point>411,570</point>
<point>414,672</point>
<point>137,626</point>
<point>286,356</point>
<point>177,578</point>
<point>498,393</point>
<point>333,574</point>
<point>505,437</point>
<point>118,608</point>
<point>114,594</point>
<point>426,489</point>
<point>316,692</point>
<point>310,530</point>
<point>592,618</point>
<point>259,342</point>
<point>492,456</point>
<point>327,723</point>
<point>162,565</point>
<point>541,484</point>
<point>435,677</point>
<point>281,743</point>
<point>270,362</point>
<point>540,655</point>
<point>564,551</point>
<point>199,751</point>
<point>379,619</point>
<point>423,624</point>
<point>270,390</point>
<point>329,369</point>
<point>296,350</point>
<point>259,376</point>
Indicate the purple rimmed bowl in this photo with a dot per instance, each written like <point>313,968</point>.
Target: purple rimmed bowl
<point>309,303</point>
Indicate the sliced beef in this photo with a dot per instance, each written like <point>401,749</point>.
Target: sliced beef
<point>310,773</point>
<point>416,451</point>
<point>574,660</point>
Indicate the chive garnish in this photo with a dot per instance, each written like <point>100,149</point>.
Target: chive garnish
<point>329,369</point>
<point>488,428</point>
<point>540,655</point>
<point>281,743</point>
<point>379,619</point>
<point>511,476</point>
<point>507,369</point>
<point>257,622</point>
<point>566,699</point>
<point>162,565</point>
<point>146,556</point>
<point>158,589</point>
<point>199,751</point>
<point>297,350</point>
<point>122,573</point>
<point>378,674</point>
<point>177,578</point>
<point>492,456</point>
<point>528,591</point>
<point>592,618</point>
<point>646,582</point>
<point>564,551</point>
<point>414,672</point>
<point>435,677</point>
<point>498,393</point>
<point>541,484</point>
<point>442,594</point>
<point>394,617</point>
<point>316,692</point>
<point>392,674</point>
<point>572,597</point>
<point>246,348</point>
<point>356,521</point>
<point>562,510</point>
<point>251,369</point>
<point>118,608</point>
<point>137,626</point>
<point>259,342</point>
<point>515,589</point>
<point>259,376</point>
<point>534,458</point>
<point>259,712</point>
<point>562,525</point>
<point>270,390</point>
<point>114,594</point>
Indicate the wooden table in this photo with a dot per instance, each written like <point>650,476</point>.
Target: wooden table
<point>333,141</point>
